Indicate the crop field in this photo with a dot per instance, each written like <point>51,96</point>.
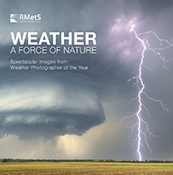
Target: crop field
<point>84,168</point>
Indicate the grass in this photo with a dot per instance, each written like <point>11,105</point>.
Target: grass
<point>85,168</point>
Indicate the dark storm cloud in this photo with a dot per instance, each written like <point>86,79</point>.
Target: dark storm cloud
<point>88,88</point>
<point>104,80</point>
<point>48,106</point>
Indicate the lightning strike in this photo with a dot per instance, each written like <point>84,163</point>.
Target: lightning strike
<point>138,114</point>
<point>143,131</point>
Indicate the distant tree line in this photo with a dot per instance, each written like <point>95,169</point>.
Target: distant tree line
<point>84,160</point>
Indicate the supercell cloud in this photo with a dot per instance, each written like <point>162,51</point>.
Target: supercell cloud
<point>31,107</point>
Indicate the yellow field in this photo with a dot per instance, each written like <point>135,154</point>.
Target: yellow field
<point>85,168</point>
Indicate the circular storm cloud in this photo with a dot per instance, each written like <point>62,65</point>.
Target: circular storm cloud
<point>48,107</point>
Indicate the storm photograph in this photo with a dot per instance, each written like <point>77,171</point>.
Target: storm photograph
<point>86,79</point>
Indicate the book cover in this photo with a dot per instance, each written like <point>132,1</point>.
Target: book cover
<point>86,79</point>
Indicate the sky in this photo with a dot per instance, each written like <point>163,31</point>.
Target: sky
<point>77,114</point>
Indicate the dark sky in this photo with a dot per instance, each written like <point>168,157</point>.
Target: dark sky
<point>76,114</point>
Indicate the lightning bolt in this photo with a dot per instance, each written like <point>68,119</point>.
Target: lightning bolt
<point>143,131</point>
<point>138,114</point>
